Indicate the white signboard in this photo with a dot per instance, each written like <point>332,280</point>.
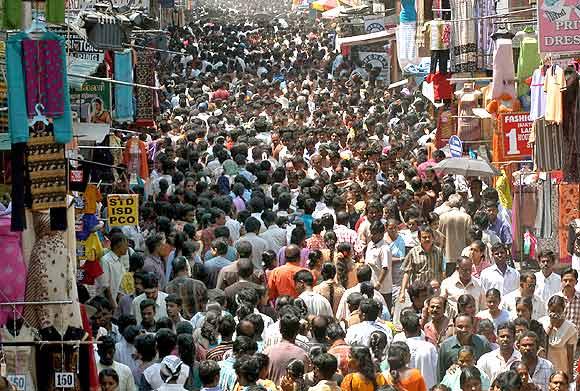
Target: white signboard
<point>374,24</point>
<point>378,60</point>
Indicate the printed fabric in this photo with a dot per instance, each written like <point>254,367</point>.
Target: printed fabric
<point>43,70</point>
<point>145,74</point>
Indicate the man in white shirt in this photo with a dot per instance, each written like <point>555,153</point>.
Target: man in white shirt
<point>500,275</point>
<point>548,283</point>
<point>461,282</point>
<point>315,302</point>
<point>500,359</point>
<point>106,351</point>
<point>378,257</point>
<point>423,354</point>
<point>151,291</point>
<point>363,274</point>
<point>274,235</point>
<point>360,333</point>
<point>108,283</point>
<point>527,289</point>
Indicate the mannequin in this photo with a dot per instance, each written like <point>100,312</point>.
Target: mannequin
<point>20,360</point>
<point>135,157</point>
<point>468,128</point>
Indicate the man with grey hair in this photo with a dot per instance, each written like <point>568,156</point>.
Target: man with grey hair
<point>454,225</point>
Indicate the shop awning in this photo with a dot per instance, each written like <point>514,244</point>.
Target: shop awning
<point>365,39</point>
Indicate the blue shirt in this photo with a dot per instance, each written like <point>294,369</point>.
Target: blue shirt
<point>307,219</point>
<point>228,377</point>
<point>231,255</point>
<point>503,230</point>
<point>398,247</point>
<point>408,12</point>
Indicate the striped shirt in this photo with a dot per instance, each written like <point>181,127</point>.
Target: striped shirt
<point>424,266</point>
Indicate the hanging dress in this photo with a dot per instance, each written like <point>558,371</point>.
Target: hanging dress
<point>20,360</point>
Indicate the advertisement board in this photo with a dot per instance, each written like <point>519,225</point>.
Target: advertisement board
<point>516,129</point>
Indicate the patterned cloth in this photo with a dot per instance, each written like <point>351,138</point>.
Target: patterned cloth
<point>463,36</point>
<point>13,269</point>
<point>548,145</point>
<point>47,169</point>
<point>43,70</point>
<point>347,235</point>
<point>145,74</point>
<point>569,194</point>
<point>572,310</point>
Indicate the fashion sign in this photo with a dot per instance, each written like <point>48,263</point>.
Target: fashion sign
<point>516,129</point>
<point>559,22</point>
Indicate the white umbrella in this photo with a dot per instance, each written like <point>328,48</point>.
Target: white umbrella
<point>333,13</point>
<point>466,167</point>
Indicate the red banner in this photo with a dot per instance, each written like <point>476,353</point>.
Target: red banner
<point>515,129</point>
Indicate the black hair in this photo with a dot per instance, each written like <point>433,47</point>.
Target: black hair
<point>165,340</point>
<point>108,372</point>
<point>327,365</point>
<point>145,346</point>
<point>472,373</point>
<point>209,370</point>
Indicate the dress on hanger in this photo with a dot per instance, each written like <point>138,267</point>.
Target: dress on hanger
<point>463,36</point>
<point>51,276</point>
<point>503,69</point>
<point>20,360</point>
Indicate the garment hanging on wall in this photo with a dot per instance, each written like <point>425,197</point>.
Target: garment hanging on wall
<point>17,107</point>
<point>20,360</point>
<point>503,69</point>
<point>43,70</point>
<point>54,10</point>
<point>145,74</point>
<point>547,139</point>
<point>124,94</point>
<point>569,196</point>
<point>545,214</point>
<point>463,36</point>
<point>528,61</point>
<point>135,157</point>
<point>554,83</point>
<point>484,9</point>
<point>10,14</point>
<point>12,269</point>
<point>439,43</point>
<point>537,95</point>
<point>52,273</point>
<point>570,126</point>
<point>523,212</point>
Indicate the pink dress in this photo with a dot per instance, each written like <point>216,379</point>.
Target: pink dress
<point>12,270</point>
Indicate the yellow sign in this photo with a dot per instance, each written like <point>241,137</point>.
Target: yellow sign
<point>123,209</point>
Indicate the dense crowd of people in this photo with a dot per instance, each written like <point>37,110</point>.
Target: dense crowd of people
<point>294,235</point>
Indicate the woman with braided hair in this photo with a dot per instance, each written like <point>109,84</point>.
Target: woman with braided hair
<point>400,375</point>
<point>363,375</point>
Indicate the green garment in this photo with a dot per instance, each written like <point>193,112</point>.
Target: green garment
<point>528,61</point>
<point>10,14</point>
<point>55,11</point>
<point>451,346</point>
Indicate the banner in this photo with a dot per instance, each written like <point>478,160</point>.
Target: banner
<point>78,47</point>
<point>515,129</point>
<point>559,23</point>
<point>123,209</point>
<point>93,97</point>
<point>378,60</point>
<point>374,24</point>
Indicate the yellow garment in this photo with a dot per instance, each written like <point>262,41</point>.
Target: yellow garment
<point>92,196</point>
<point>503,190</point>
<point>127,283</point>
<point>93,248</point>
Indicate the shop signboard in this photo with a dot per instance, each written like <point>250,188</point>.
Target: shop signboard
<point>374,24</point>
<point>378,60</point>
<point>123,209</point>
<point>559,25</point>
<point>94,97</point>
<point>515,129</point>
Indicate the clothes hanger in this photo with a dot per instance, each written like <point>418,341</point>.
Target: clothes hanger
<point>529,29</point>
<point>39,117</point>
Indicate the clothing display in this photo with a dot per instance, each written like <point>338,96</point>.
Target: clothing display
<point>548,145</point>
<point>43,70</point>
<point>443,90</point>
<point>63,358</point>
<point>10,14</point>
<point>145,74</point>
<point>406,48</point>
<point>554,83</point>
<point>51,276</point>
<point>439,43</point>
<point>463,36</point>
<point>568,195</point>
<point>18,87</point>
<point>528,61</point>
<point>135,157</point>
<point>468,125</point>
<point>124,94</point>
<point>20,360</point>
<point>537,95</point>
<point>503,69</point>
<point>54,10</point>
<point>570,124</point>
<point>545,213</point>
<point>12,269</point>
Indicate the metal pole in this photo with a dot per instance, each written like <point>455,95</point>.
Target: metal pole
<point>113,81</point>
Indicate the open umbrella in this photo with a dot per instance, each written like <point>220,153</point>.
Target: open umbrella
<point>333,13</point>
<point>466,167</point>
<point>324,5</point>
